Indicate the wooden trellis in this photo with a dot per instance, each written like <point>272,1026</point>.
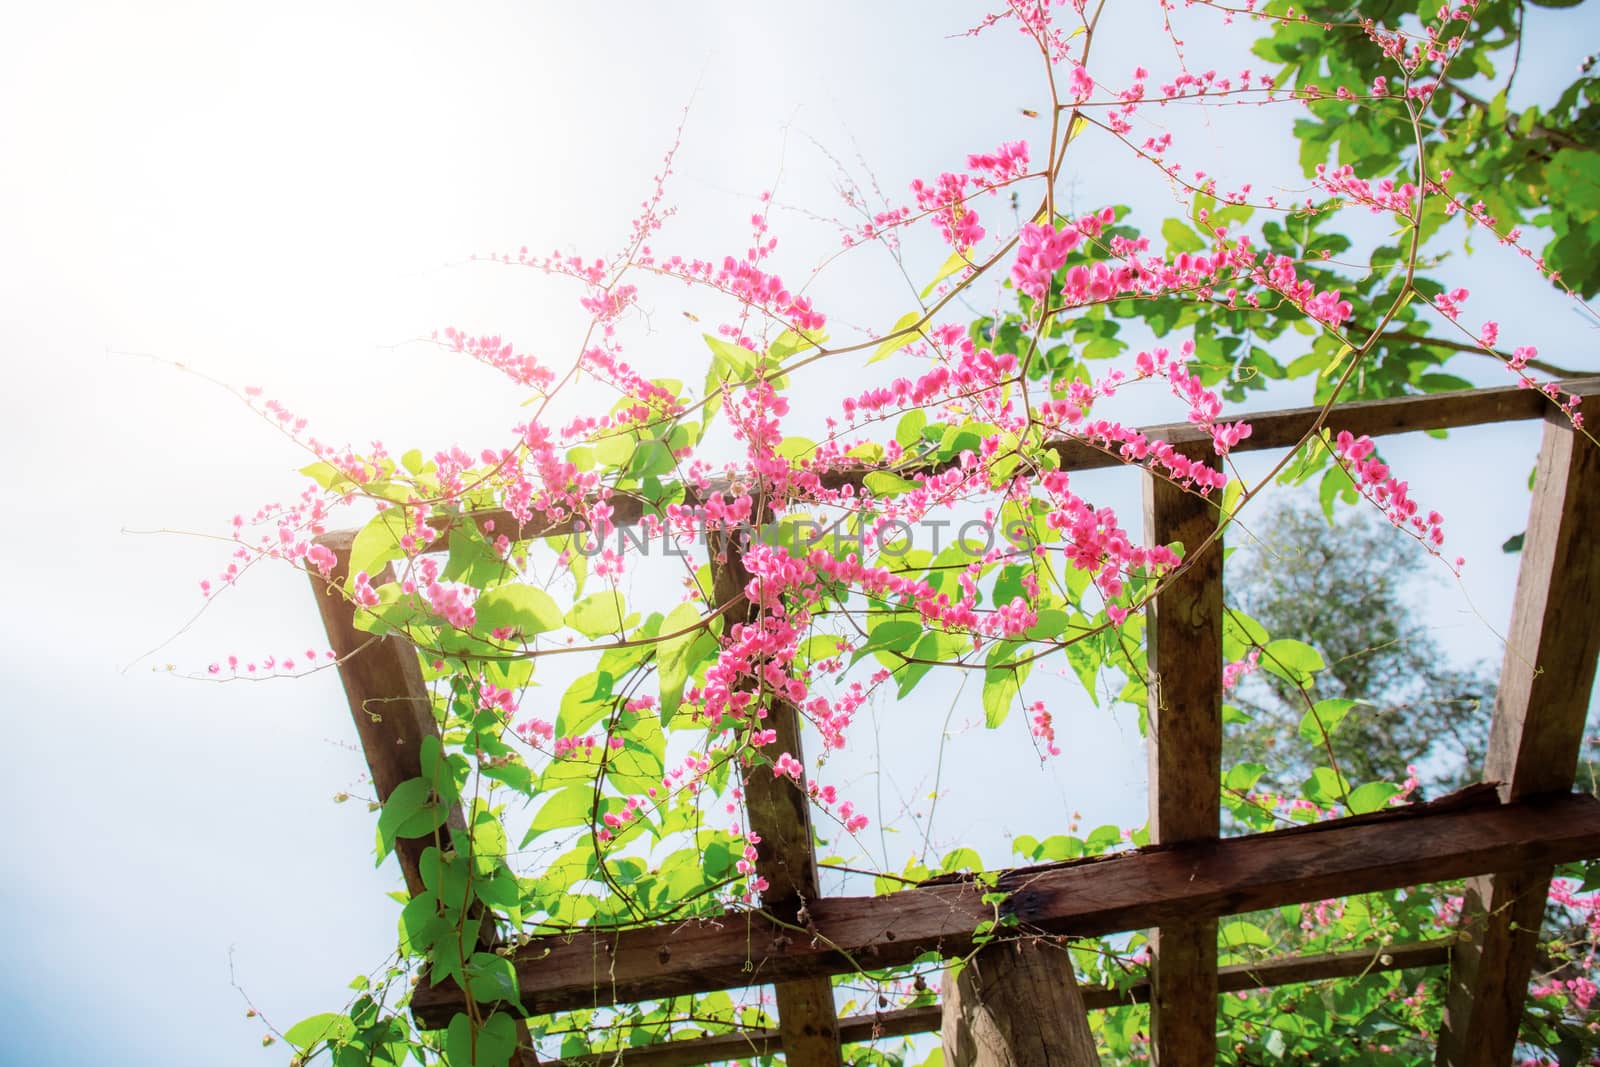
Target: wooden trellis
<point>1504,836</point>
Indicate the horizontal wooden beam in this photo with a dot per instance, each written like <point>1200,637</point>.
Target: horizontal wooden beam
<point>1233,978</point>
<point>1269,430</point>
<point>1286,428</point>
<point>1456,837</point>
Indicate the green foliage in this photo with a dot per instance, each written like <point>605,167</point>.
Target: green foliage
<point>622,787</point>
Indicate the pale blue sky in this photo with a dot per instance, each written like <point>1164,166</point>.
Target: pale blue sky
<point>285,195</point>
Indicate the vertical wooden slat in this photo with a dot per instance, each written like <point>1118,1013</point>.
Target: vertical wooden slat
<point>393,713</point>
<point>1184,642</point>
<point>1016,1004</point>
<point>1534,741</point>
<point>780,812</point>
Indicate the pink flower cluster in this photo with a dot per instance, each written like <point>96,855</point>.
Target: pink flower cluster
<point>1233,672</point>
<point>1376,483</point>
<point>450,600</point>
<point>490,349</point>
<point>1041,252</point>
<point>1382,195</point>
<point>945,200</point>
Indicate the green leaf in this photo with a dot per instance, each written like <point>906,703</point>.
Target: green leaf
<point>1442,383</point>
<point>894,635</point>
<point>412,810</point>
<point>882,483</point>
<point>1324,717</point>
<point>584,703</point>
<point>651,460</point>
<point>428,756</point>
<point>1180,237</point>
<point>328,476</point>
<point>598,615</point>
<point>327,1026</point>
<point>377,543</point>
<point>956,261</point>
<point>900,335</point>
<point>1293,661</point>
<point>736,357</point>
<point>1591,877</point>
<point>1000,689</point>
<point>616,449</point>
<point>962,859</point>
<point>494,1042</point>
<point>1240,933</point>
<point>1241,633</point>
<point>1372,797</point>
<point>523,607</point>
<point>565,807</point>
<point>420,923</point>
<point>672,658</point>
<point>1051,625</point>
<point>1242,777</point>
<point>493,978</point>
<point>1514,543</point>
<point>1326,788</point>
<point>792,448</point>
<point>909,429</point>
<point>912,673</point>
<point>1336,485</point>
<point>790,343</point>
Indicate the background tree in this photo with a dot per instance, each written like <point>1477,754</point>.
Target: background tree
<point>1347,588</point>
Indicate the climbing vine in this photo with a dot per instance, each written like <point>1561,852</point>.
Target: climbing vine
<point>798,515</point>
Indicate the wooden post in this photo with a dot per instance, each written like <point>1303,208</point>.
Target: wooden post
<point>1184,663</point>
<point>389,703</point>
<point>393,713</point>
<point>780,812</point>
<point>1016,1004</point>
<point>1534,741</point>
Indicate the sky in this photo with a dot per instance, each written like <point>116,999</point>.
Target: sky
<point>291,196</point>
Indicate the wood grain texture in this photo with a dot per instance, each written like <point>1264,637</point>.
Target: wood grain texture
<point>1534,740</point>
<point>1233,978</point>
<point>1424,843</point>
<point>1016,1004</point>
<point>1184,750</point>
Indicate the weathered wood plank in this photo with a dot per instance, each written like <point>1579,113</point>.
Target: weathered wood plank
<point>1534,741</point>
<point>1017,1004</point>
<point>1269,430</point>
<point>388,702</point>
<point>1375,418</point>
<point>779,812</point>
<point>1233,978</point>
<point>1184,749</point>
<point>1424,843</point>
<point>393,713</point>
